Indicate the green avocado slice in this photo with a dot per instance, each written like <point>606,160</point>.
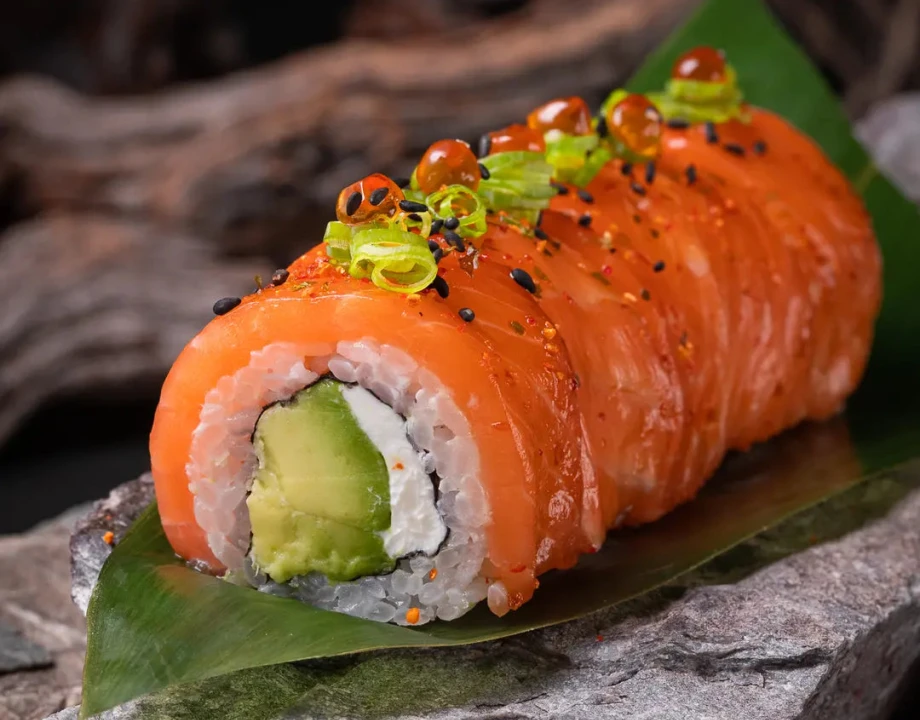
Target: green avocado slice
<point>321,495</point>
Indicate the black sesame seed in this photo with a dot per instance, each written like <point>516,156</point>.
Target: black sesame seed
<point>637,188</point>
<point>539,221</point>
<point>485,145</point>
<point>690,172</point>
<point>612,250</point>
<point>760,147</point>
<point>451,223</point>
<point>436,226</point>
<point>654,233</point>
<point>650,172</point>
<point>353,203</point>
<point>466,314</point>
<point>560,188</point>
<point>455,240</point>
<point>658,266</point>
<point>585,196</point>
<point>438,255</point>
<point>412,206</point>
<point>415,216</point>
<point>601,129</point>
<point>378,196</point>
<point>540,234</point>
<point>279,277</point>
<point>225,305</point>
<point>678,124</point>
<point>441,287</point>
<point>402,181</point>
<point>645,294</point>
<point>433,245</point>
<point>585,220</point>
<point>626,168</point>
<point>712,136</point>
<point>734,149</point>
<point>484,172</point>
<point>522,278</point>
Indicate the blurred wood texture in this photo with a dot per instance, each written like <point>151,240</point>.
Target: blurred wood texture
<point>125,218</point>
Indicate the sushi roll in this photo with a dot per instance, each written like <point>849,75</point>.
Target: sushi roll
<point>483,370</point>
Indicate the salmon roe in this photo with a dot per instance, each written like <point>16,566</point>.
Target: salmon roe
<point>516,138</point>
<point>570,115</point>
<point>637,123</point>
<point>374,196</point>
<point>448,162</point>
<point>703,63</point>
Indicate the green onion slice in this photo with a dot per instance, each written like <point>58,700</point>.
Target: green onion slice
<point>392,257</point>
<point>699,101</point>
<point>462,203</point>
<point>568,154</point>
<point>519,183</point>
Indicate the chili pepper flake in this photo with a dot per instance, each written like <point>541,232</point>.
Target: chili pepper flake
<point>433,573</point>
<point>109,538</point>
<point>399,466</point>
<point>412,615</point>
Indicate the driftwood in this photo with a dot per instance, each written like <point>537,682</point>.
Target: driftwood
<point>126,214</point>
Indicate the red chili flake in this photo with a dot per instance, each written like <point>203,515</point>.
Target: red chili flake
<point>607,270</point>
<point>602,416</point>
<point>399,466</point>
<point>568,298</point>
<point>527,257</point>
<point>506,256</point>
<point>109,538</point>
<point>518,568</point>
<point>600,638</point>
<point>530,320</point>
<point>500,425</point>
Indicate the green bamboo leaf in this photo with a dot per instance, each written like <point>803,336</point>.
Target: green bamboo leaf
<point>154,624</point>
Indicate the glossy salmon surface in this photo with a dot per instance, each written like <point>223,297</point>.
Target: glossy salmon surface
<point>678,315</point>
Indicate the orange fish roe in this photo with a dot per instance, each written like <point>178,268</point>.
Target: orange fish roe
<point>109,538</point>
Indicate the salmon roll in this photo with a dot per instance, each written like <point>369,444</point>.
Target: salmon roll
<point>485,368</point>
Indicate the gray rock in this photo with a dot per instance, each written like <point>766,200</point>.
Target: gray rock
<point>891,132</point>
<point>17,653</point>
<point>826,633</point>
<point>88,548</point>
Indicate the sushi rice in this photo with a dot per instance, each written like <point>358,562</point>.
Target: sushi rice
<point>442,578</point>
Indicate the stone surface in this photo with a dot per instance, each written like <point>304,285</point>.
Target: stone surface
<point>18,653</point>
<point>34,601</point>
<point>891,131</point>
<point>822,634</point>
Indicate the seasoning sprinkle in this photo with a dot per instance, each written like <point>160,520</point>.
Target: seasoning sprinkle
<point>225,305</point>
<point>412,615</point>
<point>654,233</point>
<point>626,168</point>
<point>484,171</point>
<point>539,221</point>
<point>485,145</point>
<point>438,256</point>
<point>353,203</point>
<point>108,538</point>
<point>585,196</point>
<point>433,245</point>
<point>637,188</point>
<point>585,220</point>
<point>466,314</point>
<point>415,216</point>
<point>645,294</point>
<point>451,223</point>
<point>678,124</point>
<point>712,137</point>
<point>650,172</point>
<point>601,128</point>
<point>517,327</point>
<point>760,147</point>
<point>522,278</point>
<point>280,276</point>
<point>734,149</point>
<point>410,206</point>
<point>441,287</point>
<point>658,266</point>
<point>436,226</point>
<point>402,182</point>
<point>455,240</point>
<point>378,196</point>
<point>690,172</point>
<point>540,233</point>
<point>560,188</point>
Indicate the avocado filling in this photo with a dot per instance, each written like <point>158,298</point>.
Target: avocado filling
<point>339,489</point>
